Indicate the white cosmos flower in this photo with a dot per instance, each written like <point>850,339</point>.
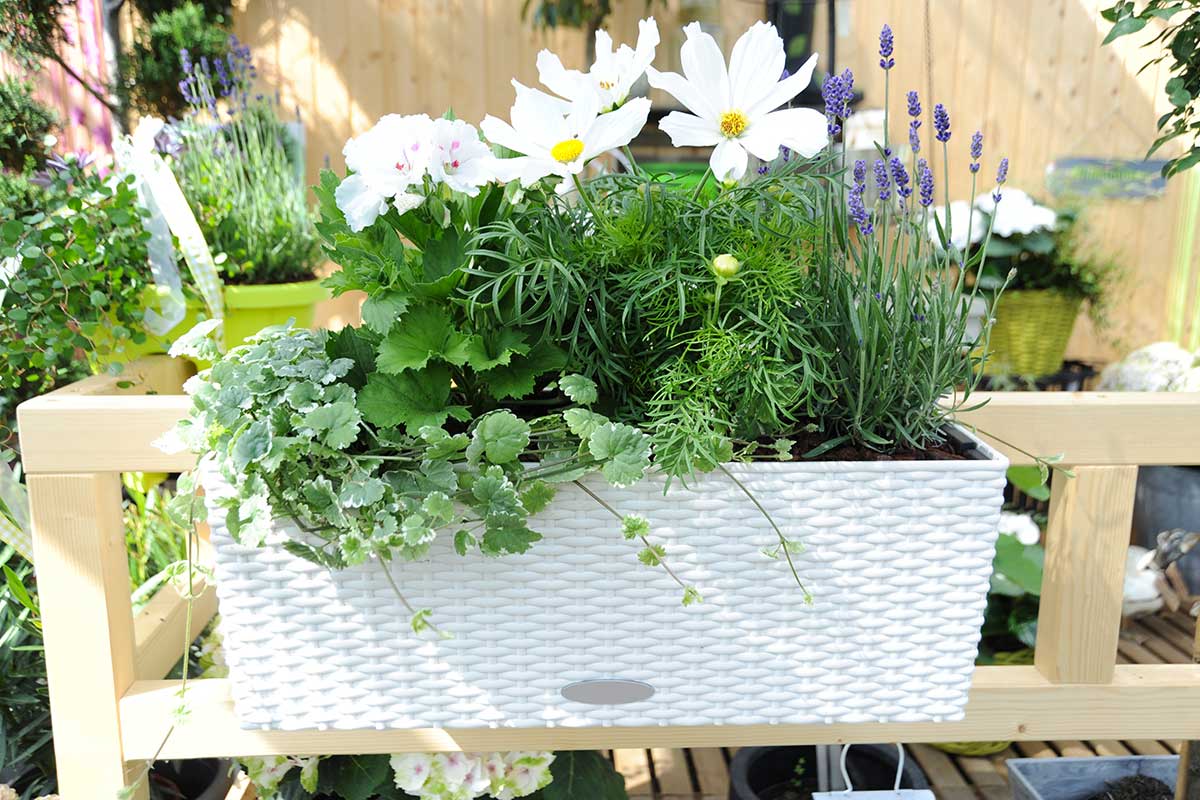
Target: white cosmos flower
<point>386,160</point>
<point>554,143</point>
<point>963,221</point>
<point>734,108</point>
<point>459,159</point>
<point>613,74</point>
<point>1016,213</point>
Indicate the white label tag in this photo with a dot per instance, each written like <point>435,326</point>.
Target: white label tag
<point>885,794</point>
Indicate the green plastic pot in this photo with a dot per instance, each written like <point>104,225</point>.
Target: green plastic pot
<point>129,351</point>
<point>249,309</point>
<point>686,173</point>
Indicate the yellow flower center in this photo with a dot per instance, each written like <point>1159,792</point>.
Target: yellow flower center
<point>567,150</point>
<point>607,85</point>
<point>733,123</point>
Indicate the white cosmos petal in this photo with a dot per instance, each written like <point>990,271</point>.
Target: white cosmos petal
<point>581,117</point>
<point>805,129</point>
<point>558,79</point>
<point>361,204</point>
<point>616,128</point>
<point>678,87</point>
<point>500,132</point>
<point>528,169</point>
<point>783,91</point>
<point>756,65</point>
<point>538,117</point>
<point>704,66</point>
<point>648,40</point>
<point>604,48</point>
<point>728,160</point>
<point>688,130</point>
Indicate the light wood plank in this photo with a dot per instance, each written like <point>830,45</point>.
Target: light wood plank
<point>159,629</point>
<point>72,433</point>
<point>1079,618</point>
<point>711,772</point>
<point>242,788</point>
<point>671,772</point>
<point>83,582</point>
<point>1143,702</point>
<point>633,764</point>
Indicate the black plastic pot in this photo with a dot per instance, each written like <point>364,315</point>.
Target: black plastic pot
<point>192,779</point>
<point>765,773</point>
<point>1169,497</point>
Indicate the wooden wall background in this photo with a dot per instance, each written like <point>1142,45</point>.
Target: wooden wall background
<point>1029,73</point>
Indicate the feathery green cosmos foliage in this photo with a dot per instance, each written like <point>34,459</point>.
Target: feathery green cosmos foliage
<point>519,338</point>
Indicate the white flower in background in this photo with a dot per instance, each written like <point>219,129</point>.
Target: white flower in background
<point>613,74</point>
<point>1190,382</point>
<point>552,143</point>
<point>734,109</point>
<point>460,160</point>
<point>8,793</point>
<point>1021,526</point>
<point>266,772</point>
<point>412,770</point>
<point>1016,213</point>
<point>1158,367</point>
<point>963,222</point>
<point>386,161</point>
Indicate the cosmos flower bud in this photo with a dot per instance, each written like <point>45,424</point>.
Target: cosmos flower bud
<point>725,266</point>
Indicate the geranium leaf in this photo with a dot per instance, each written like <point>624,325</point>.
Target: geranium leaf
<point>508,537</point>
<point>496,349</point>
<point>516,379</point>
<point>426,333</point>
<point>442,444</point>
<point>582,422</point>
<point>415,399</point>
<point>335,425</point>
<point>537,496</point>
<point>624,450</point>
<point>584,773</point>
<point>355,777</point>
<point>381,311</point>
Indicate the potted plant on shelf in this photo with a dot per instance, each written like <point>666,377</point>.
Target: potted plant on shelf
<point>241,169</point>
<point>423,501</point>
<point>1053,276</point>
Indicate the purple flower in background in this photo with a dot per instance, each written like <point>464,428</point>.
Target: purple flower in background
<point>764,169</point>
<point>914,140</point>
<point>785,74</point>
<point>1001,177</point>
<point>847,93</point>
<point>914,107</point>
<point>185,60</point>
<point>882,182</point>
<point>886,43</point>
<point>925,182</point>
<point>860,172</point>
<point>168,142</point>
<point>858,210</point>
<point>941,123</point>
<point>976,150</point>
<point>900,178</point>
<point>831,93</point>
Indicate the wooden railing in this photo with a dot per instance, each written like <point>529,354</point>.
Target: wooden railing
<point>110,713</point>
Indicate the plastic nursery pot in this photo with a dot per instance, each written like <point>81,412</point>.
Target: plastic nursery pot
<point>1031,332</point>
<point>249,309</point>
<point>685,173</point>
<point>199,779</point>
<point>1083,778</point>
<point>978,749</point>
<point>769,773</point>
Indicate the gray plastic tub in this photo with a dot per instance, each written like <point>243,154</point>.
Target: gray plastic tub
<point>1080,778</point>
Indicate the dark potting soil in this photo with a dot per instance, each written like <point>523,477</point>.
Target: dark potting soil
<point>1135,787</point>
<point>785,791</point>
<point>952,449</point>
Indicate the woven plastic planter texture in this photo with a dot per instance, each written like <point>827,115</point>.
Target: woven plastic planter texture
<point>898,557</point>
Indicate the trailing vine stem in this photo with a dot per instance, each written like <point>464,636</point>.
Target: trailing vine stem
<point>420,618</point>
<point>1046,464</point>
<point>784,544</point>
<point>607,507</point>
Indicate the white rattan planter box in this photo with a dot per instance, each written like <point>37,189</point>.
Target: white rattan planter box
<point>898,559</point>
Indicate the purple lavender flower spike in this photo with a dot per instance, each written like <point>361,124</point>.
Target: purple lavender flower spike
<point>976,151</point>
<point>858,211</point>
<point>941,123</point>
<point>847,93</point>
<point>900,178</point>
<point>914,107</point>
<point>785,74</point>
<point>764,169</point>
<point>925,178</point>
<point>914,140</point>
<point>831,93</point>
<point>860,171</point>
<point>886,44</point>
<point>1001,177</point>
<point>882,182</point>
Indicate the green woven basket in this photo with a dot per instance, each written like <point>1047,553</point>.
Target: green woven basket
<point>979,749</point>
<point>1031,332</point>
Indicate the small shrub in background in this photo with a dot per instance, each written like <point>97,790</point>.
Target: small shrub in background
<point>151,70</point>
<point>25,125</point>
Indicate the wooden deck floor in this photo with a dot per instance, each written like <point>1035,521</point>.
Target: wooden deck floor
<point>703,774</point>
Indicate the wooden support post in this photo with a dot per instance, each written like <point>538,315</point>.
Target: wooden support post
<point>83,584</point>
<point>1187,782</point>
<point>1079,619</point>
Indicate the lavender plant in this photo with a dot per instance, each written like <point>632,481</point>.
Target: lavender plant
<point>239,168</point>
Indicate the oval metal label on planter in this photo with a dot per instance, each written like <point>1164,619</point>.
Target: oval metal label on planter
<point>607,691</point>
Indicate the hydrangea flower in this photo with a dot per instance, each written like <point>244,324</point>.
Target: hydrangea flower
<point>552,143</point>
<point>1021,526</point>
<point>1158,367</point>
<point>465,776</point>
<point>732,109</point>
<point>613,74</point>
<point>962,221</point>
<point>386,162</point>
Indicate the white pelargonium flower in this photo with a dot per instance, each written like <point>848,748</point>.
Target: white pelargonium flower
<point>387,160</point>
<point>464,776</point>
<point>1021,526</point>
<point>613,74</point>
<point>411,770</point>
<point>1016,213</point>
<point>459,159</point>
<point>556,144</point>
<point>962,222</point>
<point>734,109</point>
